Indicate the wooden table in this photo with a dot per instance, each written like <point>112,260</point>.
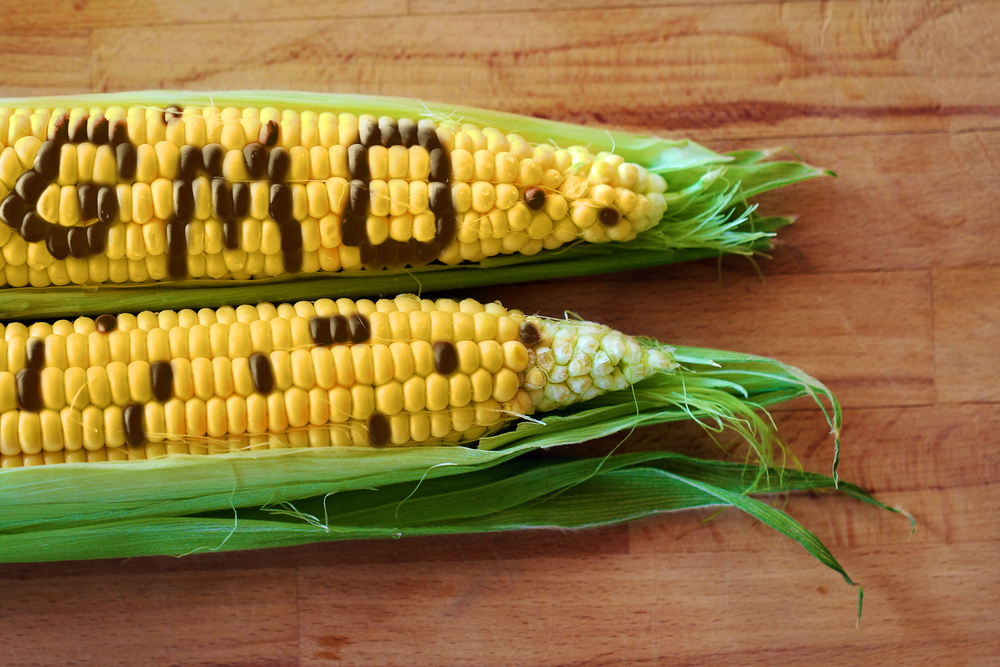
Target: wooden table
<point>886,289</point>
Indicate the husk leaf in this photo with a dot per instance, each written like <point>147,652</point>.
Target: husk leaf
<point>723,392</point>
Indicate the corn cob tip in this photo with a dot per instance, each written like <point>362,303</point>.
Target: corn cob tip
<point>575,361</point>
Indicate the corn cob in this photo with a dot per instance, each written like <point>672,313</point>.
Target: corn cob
<point>130,195</point>
<point>393,372</point>
<point>158,184</point>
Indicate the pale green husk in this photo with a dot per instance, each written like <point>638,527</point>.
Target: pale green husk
<point>718,388</point>
<point>276,498</point>
<point>708,213</point>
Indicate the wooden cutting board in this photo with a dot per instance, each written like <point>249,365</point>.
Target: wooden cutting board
<point>887,288</point>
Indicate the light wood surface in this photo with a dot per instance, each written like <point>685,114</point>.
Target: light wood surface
<point>887,288</point>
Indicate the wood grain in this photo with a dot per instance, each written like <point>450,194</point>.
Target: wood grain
<point>966,331</point>
<point>868,335</point>
<point>714,70</point>
<point>900,201</point>
<point>885,288</point>
<point>229,618</point>
<point>652,609</point>
<point>45,63</point>
<point>56,14</point>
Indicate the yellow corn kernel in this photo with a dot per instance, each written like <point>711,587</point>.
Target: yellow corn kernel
<point>233,136</point>
<point>482,384</point>
<point>379,198</point>
<point>52,436</point>
<point>423,357</point>
<point>68,165</point>
<point>459,390</point>
<point>92,425</point>
<point>71,426</point>
<point>167,159</point>
<point>201,375</point>
<point>382,364</point>
<point>318,199</point>
<point>298,169</point>
<point>277,417</point>
<point>462,326</point>
<point>378,162</point>
<point>437,392</point>
<point>506,168</point>
<point>398,162</point>
<point>9,443</point>
<point>515,355</point>
<point>414,394</point>
<point>362,401</point>
<point>364,371</point>
<point>420,427</point>
<point>389,398</point>
<point>419,163</point>
<point>303,375</point>
<point>257,413</point>
<point>296,408</point>
<point>236,414</point>
<point>48,203</point>
<point>505,385</point>
<point>441,425</point>
<point>105,167</point>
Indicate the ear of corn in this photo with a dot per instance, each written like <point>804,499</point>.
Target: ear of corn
<point>185,430</point>
<point>342,194</point>
<point>400,372</point>
<point>108,476</point>
<point>281,497</point>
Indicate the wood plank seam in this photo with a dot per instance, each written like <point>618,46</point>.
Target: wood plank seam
<point>841,135</point>
<point>650,5</point>
<point>934,361</point>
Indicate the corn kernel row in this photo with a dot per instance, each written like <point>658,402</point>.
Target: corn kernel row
<point>104,165</point>
<point>393,201</point>
<point>449,427</point>
<point>199,127</point>
<point>92,427</point>
<point>135,253</point>
<point>389,193</point>
<point>485,368</point>
<point>445,319</point>
<point>234,129</point>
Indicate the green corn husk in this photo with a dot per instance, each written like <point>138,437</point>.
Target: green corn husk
<point>274,498</point>
<point>517,495</point>
<point>708,213</point>
<point>720,389</point>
